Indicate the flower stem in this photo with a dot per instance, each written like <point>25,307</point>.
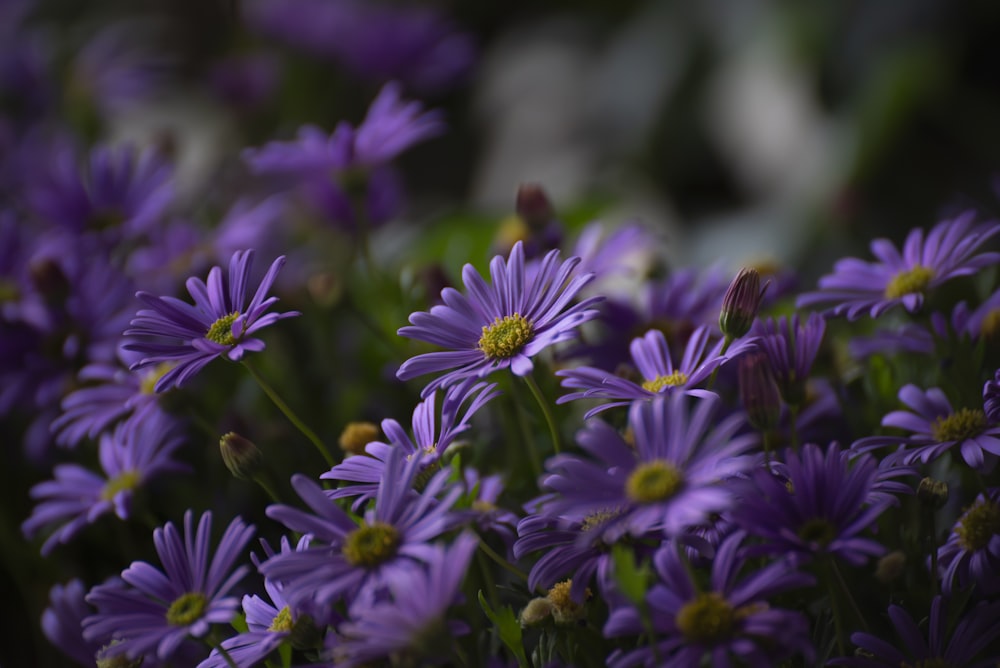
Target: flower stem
<point>267,487</point>
<point>503,563</point>
<point>838,614</point>
<point>290,414</point>
<point>728,341</point>
<point>529,440</point>
<point>546,411</point>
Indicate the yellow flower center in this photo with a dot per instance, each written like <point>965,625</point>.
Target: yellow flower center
<point>506,336</point>
<point>707,619</point>
<point>990,327</point>
<point>356,436</point>
<point>909,281</point>
<point>564,609</point>
<point>123,481</point>
<point>221,330</point>
<point>659,383</point>
<point>282,622</point>
<point>818,530</point>
<point>960,425</point>
<point>152,376</point>
<point>978,526</point>
<point>371,544</point>
<point>596,519</point>
<point>187,609</point>
<point>653,481</point>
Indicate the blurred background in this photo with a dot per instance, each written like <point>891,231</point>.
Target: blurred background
<point>745,131</point>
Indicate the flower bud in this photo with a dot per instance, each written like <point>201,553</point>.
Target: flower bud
<point>536,612</point>
<point>758,391</point>
<point>533,206</point>
<point>741,303</point>
<point>356,436</point>
<point>890,567</point>
<point>932,493</point>
<point>241,456</point>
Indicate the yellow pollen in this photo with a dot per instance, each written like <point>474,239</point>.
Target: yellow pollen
<point>221,330</point>
<point>187,609</point>
<point>978,526</point>
<point>282,622</point>
<point>707,619</point>
<point>660,383</point>
<point>653,481</point>
<point>356,436</point>
<point>596,519</point>
<point>909,281</point>
<point>564,609</point>
<point>371,544</point>
<point>960,425</point>
<point>123,481</point>
<point>505,337</point>
<point>149,379</point>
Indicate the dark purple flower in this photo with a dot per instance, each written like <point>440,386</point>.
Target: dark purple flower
<point>991,398</point>
<point>673,478</point>
<point>652,359</point>
<point>430,440</point>
<point>939,644</point>
<point>413,626</point>
<point>820,505</point>
<point>937,428</point>
<point>218,325</point>
<point>729,622</point>
<point>971,555</point>
<point>138,450</point>
<point>502,325</point>
<point>359,562</point>
<point>948,251</point>
<point>154,611</point>
<point>62,622</point>
<point>791,348</point>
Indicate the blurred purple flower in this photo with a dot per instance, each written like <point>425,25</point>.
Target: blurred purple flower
<point>791,348</point>
<point>62,622</point>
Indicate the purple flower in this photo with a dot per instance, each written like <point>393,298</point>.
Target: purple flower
<point>791,348</point>
<point>991,398</point>
<point>414,623</point>
<point>937,428</point>
<point>651,357</point>
<point>670,480</point>
<point>933,645</point>
<point>62,622</point>
<point>948,251</point>
<point>219,324</point>
<point>154,611</point>
<point>502,325</point>
<point>971,555</point>
<point>429,440</point>
<point>138,450</point>
<point>729,622</point>
<point>359,562</point>
<point>821,505</point>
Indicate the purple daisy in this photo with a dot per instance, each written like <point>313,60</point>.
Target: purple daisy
<point>154,611</point>
<point>971,555</point>
<point>359,562</point>
<point>62,622</point>
<point>820,505</point>
<point>937,428</point>
<point>651,356</point>
<point>939,644</point>
<point>139,449</point>
<point>791,348</point>
<point>429,440</point>
<point>499,326</point>
<point>413,626</point>
<point>218,325</point>
<point>671,479</point>
<point>729,622</point>
<point>949,250</point>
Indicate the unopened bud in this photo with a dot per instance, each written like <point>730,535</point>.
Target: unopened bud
<point>241,456</point>
<point>741,303</point>
<point>890,567</point>
<point>932,493</point>
<point>533,206</point>
<point>536,612</point>
<point>758,391</point>
<point>356,436</point>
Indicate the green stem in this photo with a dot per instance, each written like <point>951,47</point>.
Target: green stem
<point>838,615</point>
<point>290,414</point>
<point>267,487</point>
<point>725,346</point>
<point>546,411</point>
<point>503,563</point>
<point>855,608</point>
<point>488,581</point>
<point>529,440</point>
<point>217,645</point>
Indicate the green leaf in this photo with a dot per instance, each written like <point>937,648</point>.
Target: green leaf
<point>633,580</point>
<point>508,627</point>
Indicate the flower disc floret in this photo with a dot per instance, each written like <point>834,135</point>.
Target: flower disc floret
<point>221,330</point>
<point>187,608</point>
<point>371,544</point>
<point>706,619</point>
<point>818,530</point>
<point>960,425</point>
<point>506,336</point>
<point>660,382</point>
<point>909,281</point>
<point>979,525</point>
<point>282,622</point>
<point>653,481</point>
<point>124,481</point>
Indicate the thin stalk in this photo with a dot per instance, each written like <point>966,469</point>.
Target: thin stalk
<point>503,563</point>
<point>728,341</point>
<point>267,487</point>
<point>838,615</point>
<point>546,411</point>
<point>290,414</point>
<point>855,608</point>
<point>529,440</point>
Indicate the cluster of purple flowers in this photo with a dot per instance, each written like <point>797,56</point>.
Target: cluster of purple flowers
<point>604,463</point>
